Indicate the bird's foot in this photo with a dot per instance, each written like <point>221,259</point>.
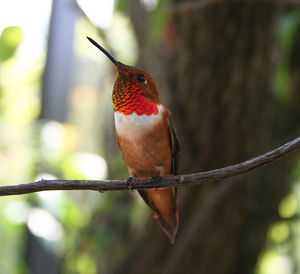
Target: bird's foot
<point>131,182</point>
<point>156,179</point>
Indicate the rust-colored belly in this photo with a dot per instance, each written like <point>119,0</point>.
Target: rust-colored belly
<point>145,148</point>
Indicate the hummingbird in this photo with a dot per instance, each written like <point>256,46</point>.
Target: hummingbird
<point>146,138</point>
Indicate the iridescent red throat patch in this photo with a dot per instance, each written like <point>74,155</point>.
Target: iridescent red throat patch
<point>131,100</point>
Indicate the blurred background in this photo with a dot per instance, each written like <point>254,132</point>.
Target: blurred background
<point>230,74</point>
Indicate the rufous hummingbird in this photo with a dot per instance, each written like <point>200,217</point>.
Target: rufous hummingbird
<point>146,138</point>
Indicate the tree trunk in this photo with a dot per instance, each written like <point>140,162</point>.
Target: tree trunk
<point>218,64</point>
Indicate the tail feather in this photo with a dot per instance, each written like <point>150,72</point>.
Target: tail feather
<point>163,202</point>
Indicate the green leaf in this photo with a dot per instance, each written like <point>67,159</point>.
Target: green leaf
<point>10,39</point>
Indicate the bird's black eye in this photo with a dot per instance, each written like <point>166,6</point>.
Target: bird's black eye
<point>141,78</point>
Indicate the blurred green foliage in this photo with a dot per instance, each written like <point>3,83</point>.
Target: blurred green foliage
<point>289,25</point>
<point>282,252</point>
<point>82,229</point>
<point>10,39</point>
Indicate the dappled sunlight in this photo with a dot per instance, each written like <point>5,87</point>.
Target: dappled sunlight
<point>99,12</point>
<point>149,4</point>
<point>42,224</point>
<point>92,166</point>
<point>273,263</point>
<point>288,207</point>
<point>33,17</point>
<point>53,134</point>
<point>279,232</point>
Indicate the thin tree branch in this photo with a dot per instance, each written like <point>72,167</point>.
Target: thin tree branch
<point>166,181</point>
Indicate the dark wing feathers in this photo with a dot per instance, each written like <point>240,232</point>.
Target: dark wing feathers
<point>175,145</point>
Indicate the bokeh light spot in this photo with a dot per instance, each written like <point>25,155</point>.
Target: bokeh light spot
<point>42,224</point>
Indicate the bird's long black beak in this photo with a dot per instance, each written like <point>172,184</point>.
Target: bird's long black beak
<point>111,58</point>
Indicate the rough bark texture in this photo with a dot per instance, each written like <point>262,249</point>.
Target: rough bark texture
<point>219,62</point>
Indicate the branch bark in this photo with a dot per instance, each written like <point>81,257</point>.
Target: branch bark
<point>166,181</point>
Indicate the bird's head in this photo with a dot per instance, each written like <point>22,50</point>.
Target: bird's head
<point>134,89</point>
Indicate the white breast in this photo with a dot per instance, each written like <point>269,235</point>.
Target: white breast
<point>132,122</point>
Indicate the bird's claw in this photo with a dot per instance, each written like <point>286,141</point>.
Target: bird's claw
<point>131,182</point>
<point>156,179</point>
